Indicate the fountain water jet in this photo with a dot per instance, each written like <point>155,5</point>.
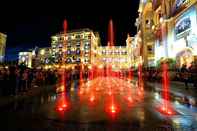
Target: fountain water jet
<point>110,34</point>
<point>166,108</point>
<point>63,80</point>
<point>140,91</point>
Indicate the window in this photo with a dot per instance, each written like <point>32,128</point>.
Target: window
<point>62,38</point>
<point>68,60</point>
<point>77,36</point>
<point>150,49</point>
<point>78,43</point>
<point>68,52</point>
<point>78,60</point>
<point>78,51</point>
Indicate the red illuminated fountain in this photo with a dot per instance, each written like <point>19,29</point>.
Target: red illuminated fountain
<point>166,107</point>
<point>111,107</point>
<point>110,34</point>
<point>62,105</point>
<point>140,90</point>
<point>63,80</point>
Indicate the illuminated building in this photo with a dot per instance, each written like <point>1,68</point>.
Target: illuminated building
<point>25,58</point>
<point>172,24</point>
<point>41,56</point>
<point>74,47</point>
<point>183,35</point>
<point>2,46</point>
<point>135,47</point>
<point>144,23</point>
<point>175,30</point>
<point>117,56</point>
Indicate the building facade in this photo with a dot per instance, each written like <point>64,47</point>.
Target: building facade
<point>25,58</point>
<point>74,47</point>
<point>3,38</point>
<point>135,46</point>
<point>119,57</point>
<point>41,57</point>
<point>172,25</point>
<point>175,25</point>
<point>145,34</point>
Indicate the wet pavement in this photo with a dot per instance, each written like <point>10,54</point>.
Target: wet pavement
<point>103,104</point>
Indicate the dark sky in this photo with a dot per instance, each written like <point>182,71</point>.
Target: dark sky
<point>32,24</point>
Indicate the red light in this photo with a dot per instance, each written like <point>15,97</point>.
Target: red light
<point>129,99</point>
<point>163,109</point>
<point>113,109</point>
<point>166,110</point>
<point>65,25</point>
<point>64,105</point>
<point>92,98</point>
<point>169,112</point>
<point>60,109</point>
<point>80,92</point>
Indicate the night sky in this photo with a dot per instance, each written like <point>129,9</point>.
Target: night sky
<point>27,31</point>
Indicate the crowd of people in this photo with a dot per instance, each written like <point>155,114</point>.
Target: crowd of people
<point>183,74</point>
<point>16,80</point>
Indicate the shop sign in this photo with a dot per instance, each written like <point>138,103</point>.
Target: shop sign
<point>186,24</point>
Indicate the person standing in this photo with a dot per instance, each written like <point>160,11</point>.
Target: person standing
<point>24,80</point>
<point>12,81</point>
<point>17,72</point>
<point>185,75</point>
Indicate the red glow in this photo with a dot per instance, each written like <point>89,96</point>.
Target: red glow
<point>166,107</point>
<point>113,109</point>
<point>129,99</point>
<point>65,25</point>
<point>80,92</point>
<point>60,109</point>
<point>165,84</point>
<point>110,34</point>
<point>166,111</point>
<point>110,92</point>
<point>130,75</point>
<point>62,103</point>
<point>140,81</point>
<point>92,98</point>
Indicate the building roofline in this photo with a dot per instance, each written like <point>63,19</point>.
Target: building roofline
<point>3,34</point>
<point>76,30</point>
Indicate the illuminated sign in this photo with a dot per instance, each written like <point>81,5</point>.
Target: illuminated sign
<point>186,23</point>
<point>185,32</point>
<point>183,25</point>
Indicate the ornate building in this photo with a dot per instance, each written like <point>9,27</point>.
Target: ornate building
<point>168,30</point>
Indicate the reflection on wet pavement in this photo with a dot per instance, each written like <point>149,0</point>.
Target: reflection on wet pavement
<point>102,104</point>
